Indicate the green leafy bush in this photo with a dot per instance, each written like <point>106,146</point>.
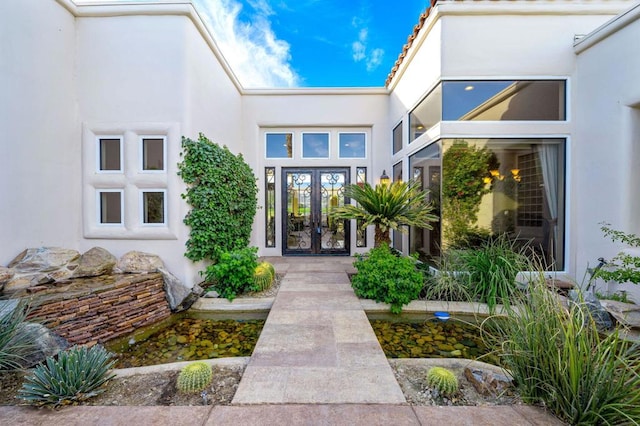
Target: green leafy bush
<point>557,357</point>
<point>76,375</point>
<point>15,342</point>
<point>386,278</point>
<point>221,189</point>
<point>491,271</point>
<point>234,272</point>
<point>623,267</point>
<point>194,377</point>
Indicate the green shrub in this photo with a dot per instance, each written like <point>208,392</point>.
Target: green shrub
<point>15,342</point>
<point>221,189</point>
<point>263,276</point>
<point>557,357</point>
<point>386,278</point>
<point>445,381</point>
<point>234,272</point>
<point>491,271</point>
<point>195,377</point>
<point>76,375</point>
<point>623,267</point>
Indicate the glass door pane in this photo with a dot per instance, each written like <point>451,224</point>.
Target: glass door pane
<point>298,215</point>
<point>333,235</point>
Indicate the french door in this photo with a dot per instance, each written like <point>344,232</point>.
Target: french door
<point>309,196</point>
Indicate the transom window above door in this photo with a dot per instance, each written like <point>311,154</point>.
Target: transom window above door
<point>315,143</point>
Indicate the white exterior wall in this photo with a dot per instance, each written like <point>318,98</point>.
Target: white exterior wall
<point>607,141</point>
<point>40,160</point>
<point>313,109</point>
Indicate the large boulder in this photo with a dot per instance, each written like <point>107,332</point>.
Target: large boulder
<point>487,382</point>
<point>45,259</point>
<point>179,296</point>
<point>46,343</point>
<point>137,262</point>
<point>95,262</point>
<point>600,316</point>
<point>25,281</point>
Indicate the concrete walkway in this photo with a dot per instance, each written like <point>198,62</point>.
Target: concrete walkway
<point>317,362</point>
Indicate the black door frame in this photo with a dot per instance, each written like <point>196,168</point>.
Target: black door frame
<point>315,246</point>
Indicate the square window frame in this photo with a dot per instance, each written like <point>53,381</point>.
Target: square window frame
<point>310,132</point>
<point>99,222</point>
<point>99,138</point>
<point>340,146</point>
<point>141,139</point>
<point>293,145</point>
<point>141,193</point>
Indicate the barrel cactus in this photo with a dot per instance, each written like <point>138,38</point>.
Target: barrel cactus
<point>195,377</point>
<point>445,381</point>
<point>264,276</point>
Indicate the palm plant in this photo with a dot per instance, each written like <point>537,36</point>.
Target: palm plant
<point>387,207</point>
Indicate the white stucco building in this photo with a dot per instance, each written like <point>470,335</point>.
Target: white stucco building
<point>540,98</point>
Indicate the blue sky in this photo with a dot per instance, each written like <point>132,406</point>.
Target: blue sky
<point>311,43</point>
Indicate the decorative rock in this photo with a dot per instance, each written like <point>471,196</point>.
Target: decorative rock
<point>5,275</point>
<point>24,281</point>
<point>137,262</point>
<point>600,316</point>
<point>95,262</point>
<point>46,342</point>
<point>212,294</point>
<point>179,296</point>
<point>487,382</point>
<point>45,259</point>
<point>627,314</point>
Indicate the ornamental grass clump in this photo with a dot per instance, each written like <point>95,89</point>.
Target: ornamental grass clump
<point>445,381</point>
<point>556,356</point>
<point>195,377</point>
<point>76,375</point>
<point>491,271</point>
<point>16,344</point>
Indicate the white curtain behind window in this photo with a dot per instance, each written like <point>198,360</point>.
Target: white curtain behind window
<point>548,155</point>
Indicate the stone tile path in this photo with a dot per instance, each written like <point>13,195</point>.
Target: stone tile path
<point>317,345</point>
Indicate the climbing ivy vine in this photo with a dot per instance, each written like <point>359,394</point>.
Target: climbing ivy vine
<point>222,192</point>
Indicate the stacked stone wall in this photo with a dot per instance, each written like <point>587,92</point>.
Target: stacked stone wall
<point>97,315</point>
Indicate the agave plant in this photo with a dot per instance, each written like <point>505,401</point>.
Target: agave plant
<point>388,207</point>
<point>77,374</point>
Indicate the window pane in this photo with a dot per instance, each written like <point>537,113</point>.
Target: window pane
<point>505,186</point>
<point>109,152</point>
<point>503,100</point>
<point>361,233</point>
<point>153,206</point>
<point>426,114</point>
<point>153,154</point>
<point>110,207</point>
<point>315,145</point>
<point>270,206</point>
<point>397,235</point>
<point>352,145</point>
<point>279,145</point>
<point>425,168</point>
<point>397,138</point>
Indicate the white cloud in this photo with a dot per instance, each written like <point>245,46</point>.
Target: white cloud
<point>375,59</point>
<point>359,48</point>
<point>256,55</point>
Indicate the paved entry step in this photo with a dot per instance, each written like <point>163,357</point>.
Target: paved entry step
<point>317,346</point>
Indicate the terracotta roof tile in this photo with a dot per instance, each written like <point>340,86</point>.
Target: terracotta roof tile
<point>416,29</point>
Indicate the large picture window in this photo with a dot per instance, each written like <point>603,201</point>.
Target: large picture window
<point>513,187</point>
<point>505,100</point>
